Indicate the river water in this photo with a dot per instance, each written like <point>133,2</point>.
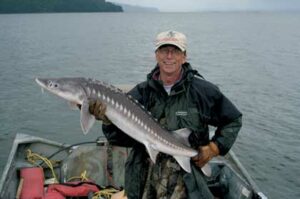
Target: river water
<point>253,57</point>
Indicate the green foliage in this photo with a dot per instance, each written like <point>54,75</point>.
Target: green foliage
<point>40,6</point>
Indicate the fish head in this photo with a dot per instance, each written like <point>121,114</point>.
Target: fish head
<point>67,88</point>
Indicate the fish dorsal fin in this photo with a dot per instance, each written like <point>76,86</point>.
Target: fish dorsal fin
<point>152,152</point>
<point>182,135</point>
<point>184,162</point>
<point>87,120</point>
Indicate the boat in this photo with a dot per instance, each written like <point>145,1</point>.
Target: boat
<point>104,165</point>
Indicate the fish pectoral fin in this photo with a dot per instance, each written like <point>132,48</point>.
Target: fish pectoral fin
<point>87,120</point>
<point>184,162</point>
<point>152,152</point>
<point>182,135</point>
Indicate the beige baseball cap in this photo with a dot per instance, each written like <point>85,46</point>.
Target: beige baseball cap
<point>172,38</point>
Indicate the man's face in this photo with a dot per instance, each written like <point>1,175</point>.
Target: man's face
<point>170,58</point>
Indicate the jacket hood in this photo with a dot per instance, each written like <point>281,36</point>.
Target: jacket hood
<point>187,76</point>
<point>188,72</point>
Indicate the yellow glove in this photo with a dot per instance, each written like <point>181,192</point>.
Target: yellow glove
<point>205,154</point>
<point>97,108</point>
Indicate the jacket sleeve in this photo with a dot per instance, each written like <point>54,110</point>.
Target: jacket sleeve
<point>226,135</point>
<point>226,117</point>
<point>116,136</point>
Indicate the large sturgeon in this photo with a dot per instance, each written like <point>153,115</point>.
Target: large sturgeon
<point>126,113</point>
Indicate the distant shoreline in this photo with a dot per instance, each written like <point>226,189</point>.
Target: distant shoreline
<point>57,6</point>
<point>11,13</point>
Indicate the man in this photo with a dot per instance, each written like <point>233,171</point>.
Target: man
<point>178,97</point>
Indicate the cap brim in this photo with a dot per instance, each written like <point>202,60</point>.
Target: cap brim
<point>170,43</point>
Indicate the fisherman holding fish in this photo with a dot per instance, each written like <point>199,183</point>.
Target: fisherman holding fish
<point>178,97</point>
<point>171,146</point>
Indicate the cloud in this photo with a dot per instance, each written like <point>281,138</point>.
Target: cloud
<point>198,5</point>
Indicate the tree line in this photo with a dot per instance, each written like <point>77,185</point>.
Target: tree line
<point>40,6</point>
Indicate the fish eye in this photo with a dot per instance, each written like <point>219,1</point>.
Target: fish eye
<point>52,84</point>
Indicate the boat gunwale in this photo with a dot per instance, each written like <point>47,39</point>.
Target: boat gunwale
<point>21,138</point>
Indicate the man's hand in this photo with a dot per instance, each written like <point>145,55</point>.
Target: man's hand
<point>97,108</point>
<point>205,154</point>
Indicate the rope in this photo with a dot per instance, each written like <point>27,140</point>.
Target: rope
<point>106,193</point>
<point>34,157</point>
<point>82,177</point>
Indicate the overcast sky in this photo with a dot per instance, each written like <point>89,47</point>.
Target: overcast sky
<point>198,5</point>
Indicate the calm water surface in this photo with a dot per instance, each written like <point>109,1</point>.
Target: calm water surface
<point>253,57</point>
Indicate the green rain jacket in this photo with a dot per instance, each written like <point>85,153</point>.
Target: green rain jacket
<point>193,103</point>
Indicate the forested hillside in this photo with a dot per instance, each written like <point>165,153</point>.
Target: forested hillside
<point>40,6</point>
